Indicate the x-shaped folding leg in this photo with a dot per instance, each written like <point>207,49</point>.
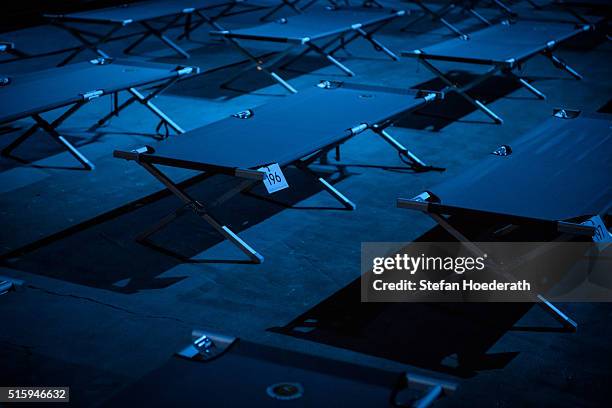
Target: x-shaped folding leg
<point>202,211</point>
<point>87,44</point>
<point>190,25</point>
<point>159,33</point>
<point>462,90</point>
<point>560,64</point>
<point>145,100</point>
<point>359,32</point>
<point>50,128</point>
<point>341,198</point>
<point>437,15</point>
<point>550,308</point>
<point>261,66</point>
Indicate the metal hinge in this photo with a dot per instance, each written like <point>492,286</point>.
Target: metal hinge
<point>88,96</point>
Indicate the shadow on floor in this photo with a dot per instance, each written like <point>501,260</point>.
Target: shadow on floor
<point>102,252</point>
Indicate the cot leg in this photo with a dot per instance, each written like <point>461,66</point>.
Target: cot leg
<point>348,204</point>
<point>331,59</point>
<point>50,128</point>
<point>204,19</point>
<point>201,212</point>
<point>341,198</point>
<point>451,86</point>
<point>87,44</point>
<point>479,16</point>
<point>532,89</point>
<point>437,16</point>
<point>146,101</point>
<point>561,317</point>
<point>261,65</point>
<point>562,65</point>
<point>406,155</point>
<point>504,8</point>
<point>159,34</point>
<point>62,140</point>
<point>285,3</point>
<point>378,46</point>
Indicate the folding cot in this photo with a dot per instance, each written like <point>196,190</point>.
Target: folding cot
<point>505,48</point>
<point>155,16</point>
<point>602,7</point>
<point>295,131</point>
<point>552,178</point>
<point>305,30</point>
<point>31,94</point>
<point>299,6</point>
<point>462,5</point>
<point>224,371</point>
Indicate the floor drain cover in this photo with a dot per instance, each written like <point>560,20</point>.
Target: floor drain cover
<point>285,391</point>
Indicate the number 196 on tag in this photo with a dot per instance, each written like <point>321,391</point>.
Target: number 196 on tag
<point>274,179</point>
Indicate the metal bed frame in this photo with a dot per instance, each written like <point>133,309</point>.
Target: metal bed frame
<point>169,15</point>
<point>364,25</point>
<point>77,98</point>
<point>377,112</point>
<point>495,53</point>
<point>536,150</point>
<point>462,5</point>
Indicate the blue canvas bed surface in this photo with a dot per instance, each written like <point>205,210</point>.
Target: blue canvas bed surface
<point>285,130</point>
<point>560,170</point>
<point>41,91</point>
<point>144,10</point>
<point>311,25</point>
<point>503,42</point>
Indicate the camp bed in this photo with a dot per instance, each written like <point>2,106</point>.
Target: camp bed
<point>154,16</point>
<point>504,48</point>
<point>73,86</point>
<point>597,7</point>
<point>453,6</point>
<point>220,370</point>
<point>323,32</point>
<point>299,6</point>
<point>553,178</point>
<point>294,131</point>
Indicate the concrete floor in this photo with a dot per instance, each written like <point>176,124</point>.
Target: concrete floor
<point>98,311</point>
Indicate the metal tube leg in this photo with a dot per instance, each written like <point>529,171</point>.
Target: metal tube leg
<point>378,46</point>
<point>479,16</point>
<point>145,101</point>
<point>561,317</point>
<point>462,91</point>
<point>331,59</point>
<point>62,140</point>
<point>532,89</point>
<point>234,239</point>
<point>562,65</point>
<point>165,40</point>
<point>200,210</point>
<point>348,204</point>
<point>399,147</point>
<point>133,45</point>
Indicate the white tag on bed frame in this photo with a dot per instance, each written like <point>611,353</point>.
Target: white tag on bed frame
<point>601,232</point>
<point>275,179</point>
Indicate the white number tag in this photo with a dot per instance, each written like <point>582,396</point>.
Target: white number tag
<point>275,179</point>
<point>601,233</point>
